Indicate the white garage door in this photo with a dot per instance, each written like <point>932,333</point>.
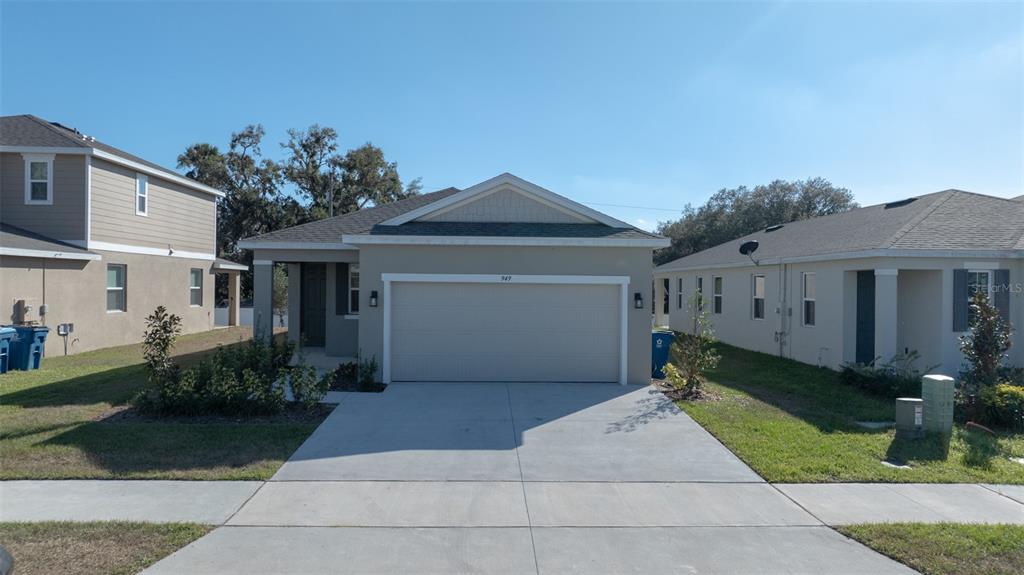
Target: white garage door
<point>505,332</point>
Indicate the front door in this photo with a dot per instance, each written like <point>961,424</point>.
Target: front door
<point>314,304</point>
<point>865,316</point>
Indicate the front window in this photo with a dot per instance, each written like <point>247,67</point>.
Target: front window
<point>353,288</point>
<point>977,281</point>
<point>809,295</point>
<point>116,292</point>
<point>195,287</point>
<point>39,180</point>
<point>700,293</point>
<point>716,294</point>
<point>141,195</point>
<point>679,294</point>
<point>758,297</point>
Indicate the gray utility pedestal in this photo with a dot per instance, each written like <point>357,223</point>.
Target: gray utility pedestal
<point>937,393</point>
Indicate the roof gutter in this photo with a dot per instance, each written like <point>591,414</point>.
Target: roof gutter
<point>253,244</point>
<point>57,255</point>
<point>877,253</point>
<point>363,239</point>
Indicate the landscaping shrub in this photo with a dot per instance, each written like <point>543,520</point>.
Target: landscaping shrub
<point>368,373</point>
<point>1003,405</point>
<point>896,378</point>
<point>307,388</point>
<point>692,354</point>
<point>985,345</point>
<point>244,379</point>
<point>162,329</point>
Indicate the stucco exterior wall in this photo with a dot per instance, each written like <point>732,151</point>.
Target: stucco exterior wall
<point>75,292</point>
<point>632,262</point>
<point>183,219</point>
<point>65,218</point>
<point>923,320</point>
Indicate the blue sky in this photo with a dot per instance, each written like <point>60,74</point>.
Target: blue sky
<point>649,105</point>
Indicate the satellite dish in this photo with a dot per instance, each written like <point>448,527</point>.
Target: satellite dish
<point>748,248</point>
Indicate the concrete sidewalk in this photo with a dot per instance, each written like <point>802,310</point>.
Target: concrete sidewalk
<point>507,503</point>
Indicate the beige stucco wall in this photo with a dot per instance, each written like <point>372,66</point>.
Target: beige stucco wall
<point>75,292</point>
<point>632,262</point>
<point>923,321</point>
<point>178,217</point>
<point>65,218</point>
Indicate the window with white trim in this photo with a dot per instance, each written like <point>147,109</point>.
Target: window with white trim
<point>679,295</point>
<point>716,294</point>
<point>700,293</point>
<point>141,195</point>
<point>39,179</point>
<point>758,292</point>
<point>353,289</point>
<point>195,287</point>
<point>808,296</point>
<point>117,293</point>
<point>977,281</point>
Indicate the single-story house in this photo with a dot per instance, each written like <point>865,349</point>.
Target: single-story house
<point>863,284</point>
<point>502,281</point>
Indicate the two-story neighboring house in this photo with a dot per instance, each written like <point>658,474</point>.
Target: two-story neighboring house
<point>97,237</point>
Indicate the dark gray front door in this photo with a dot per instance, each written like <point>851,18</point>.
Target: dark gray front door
<point>314,304</point>
<point>865,316</point>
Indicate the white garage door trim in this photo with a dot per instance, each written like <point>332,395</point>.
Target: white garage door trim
<point>621,281</point>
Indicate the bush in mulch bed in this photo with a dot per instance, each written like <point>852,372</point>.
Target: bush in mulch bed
<point>357,376</point>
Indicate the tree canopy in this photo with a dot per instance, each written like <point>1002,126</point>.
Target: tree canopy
<point>313,181</point>
<point>736,212</point>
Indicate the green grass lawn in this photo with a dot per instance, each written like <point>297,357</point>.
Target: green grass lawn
<point>947,548</point>
<point>107,548</point>
<point>60,422</point>
<point>796,423</point>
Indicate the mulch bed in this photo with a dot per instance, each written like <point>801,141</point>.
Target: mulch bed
<point>670,392</point>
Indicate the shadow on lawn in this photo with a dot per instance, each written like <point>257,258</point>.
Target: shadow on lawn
<point>811,394</point>
<point>115,385</point>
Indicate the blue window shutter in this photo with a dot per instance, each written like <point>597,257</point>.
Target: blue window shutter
<point>959,300</point>
<point>1001,295</point>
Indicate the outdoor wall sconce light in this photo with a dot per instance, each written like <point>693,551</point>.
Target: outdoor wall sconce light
<point>638,301</point>
<point>373,298</point>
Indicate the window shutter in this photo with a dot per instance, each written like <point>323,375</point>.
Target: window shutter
<point>340,289</point>
<point>960,300</point>
<point>1001,293</point>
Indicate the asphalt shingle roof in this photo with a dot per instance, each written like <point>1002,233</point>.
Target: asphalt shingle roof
<point>511,229</point>
<point>31,131</point>
<point>948,220</point>
<point>21,239</point>
<point>330,230</point>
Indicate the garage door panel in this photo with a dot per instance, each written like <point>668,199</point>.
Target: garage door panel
<point>505,332</point>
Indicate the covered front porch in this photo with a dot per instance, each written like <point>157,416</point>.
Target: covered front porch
<point>321,296</point>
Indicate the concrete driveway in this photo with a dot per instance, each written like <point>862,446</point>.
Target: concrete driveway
<point>519,478</point>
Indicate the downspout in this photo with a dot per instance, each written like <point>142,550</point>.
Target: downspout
<point>783,308</point>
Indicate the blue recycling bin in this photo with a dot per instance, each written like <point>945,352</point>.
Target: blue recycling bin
<point>661,341</point>
<point>27,348</point>
<point>7,335</point>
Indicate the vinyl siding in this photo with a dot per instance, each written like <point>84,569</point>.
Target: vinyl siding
<point>65,219</point>
<point>178,217</point>
<point>505,206</point>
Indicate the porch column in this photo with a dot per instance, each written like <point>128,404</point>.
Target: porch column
<point>262,294</point>
<point>886,320</point>
<point>233,298</point>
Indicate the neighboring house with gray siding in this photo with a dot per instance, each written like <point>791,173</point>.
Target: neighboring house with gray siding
<point>871,282</point>
<point>502,281</point>
<point>98,237</point>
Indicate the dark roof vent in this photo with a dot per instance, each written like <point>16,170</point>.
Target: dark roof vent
<point>63,127</point>
<point>771,229</point>
<point>900,203</point>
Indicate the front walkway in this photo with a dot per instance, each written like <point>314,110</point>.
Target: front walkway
<point>513,479</point>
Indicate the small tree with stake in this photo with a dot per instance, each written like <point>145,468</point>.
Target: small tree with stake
<point>985,345</point>
<point>162,329</point>
<point>692,354</point>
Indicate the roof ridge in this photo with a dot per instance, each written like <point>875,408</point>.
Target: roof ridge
<point>916,220</point>
<point>56,130</point>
